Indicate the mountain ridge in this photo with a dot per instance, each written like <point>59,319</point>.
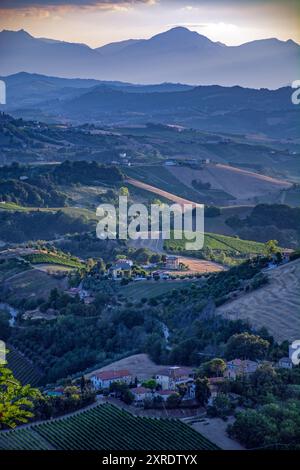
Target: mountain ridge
<point>177,55</point>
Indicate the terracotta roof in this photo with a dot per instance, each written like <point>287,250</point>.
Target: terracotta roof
<point>166,392</point>
<point>112,374</point>
<point>174,372</point>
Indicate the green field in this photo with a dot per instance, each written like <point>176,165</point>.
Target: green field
<point>73,211</point>
<point>45,258</point>
<point>22,368</point>
<point>221,243</point>
<point>10,267</point>
<point>151,289</point>
<point>106,427</point>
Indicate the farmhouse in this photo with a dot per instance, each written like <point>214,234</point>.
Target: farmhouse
<point>141,394</point>
<point>121,267</point>
<point>239,367</point>
<point>105,378</point>
<point>172,262</point>
<point>171,377</point>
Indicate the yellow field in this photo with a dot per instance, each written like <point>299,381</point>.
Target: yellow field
<point>275,306</point>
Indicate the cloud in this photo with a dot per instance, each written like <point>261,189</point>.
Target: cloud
<point>41,4</point>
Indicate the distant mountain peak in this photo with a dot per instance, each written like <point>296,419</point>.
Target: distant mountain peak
<point>19,33</point>
<point>175,55</point>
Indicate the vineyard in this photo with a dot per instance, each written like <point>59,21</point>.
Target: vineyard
<point>22,368</point>
<point>223,243</point>
<point>106,427</point>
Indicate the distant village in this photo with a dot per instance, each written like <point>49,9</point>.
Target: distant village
<point>172,386</point>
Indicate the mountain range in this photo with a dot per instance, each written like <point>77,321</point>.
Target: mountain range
<point>177,55</point>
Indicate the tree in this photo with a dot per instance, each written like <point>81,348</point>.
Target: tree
<point>124,191</point>
<point>16,401</point>
<point>253,429</point>
<point>174,400</point>
<point>246,346</point>
<point>4,325</point>
<point>272,247</point>
<point>221,406</point>
<point>202,391</point>
<point>127,397</point>
<point>214,368</point>
<point>151,383</point>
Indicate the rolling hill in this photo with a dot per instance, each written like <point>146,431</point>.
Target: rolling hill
<point>275,305</point>
<point>241,184</point>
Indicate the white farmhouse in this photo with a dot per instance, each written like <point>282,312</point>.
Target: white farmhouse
<point>105,378</point>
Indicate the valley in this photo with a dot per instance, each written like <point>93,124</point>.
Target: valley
<point>124,344</point>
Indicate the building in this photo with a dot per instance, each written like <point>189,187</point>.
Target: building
<point>214,384</point>
<point>172,262</point>
<point>285,363</point>
<point>120,268</point>
<point>105,378</point>
<point>294,352</point>
<point>238,367</point>
<point>164,394</point>
<point>141,394</point>
<point>172,377</point>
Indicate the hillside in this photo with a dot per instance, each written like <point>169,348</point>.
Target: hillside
<point>241,184</point>
<point>275,305</point>
<point>101,428</point>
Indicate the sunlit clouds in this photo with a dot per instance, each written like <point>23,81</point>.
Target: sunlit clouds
<point>97,22</point>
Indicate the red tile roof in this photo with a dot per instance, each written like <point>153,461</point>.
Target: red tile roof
<point>174,372</point>
<point>112,374</point>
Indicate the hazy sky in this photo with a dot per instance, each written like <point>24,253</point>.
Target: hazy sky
<point>97,22</point>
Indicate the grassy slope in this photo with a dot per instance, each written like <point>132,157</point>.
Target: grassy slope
<point>220,242</point>
<point>74,211</point>
<point>45,258</point>
<point>275,305</point>
<point>150,289</point>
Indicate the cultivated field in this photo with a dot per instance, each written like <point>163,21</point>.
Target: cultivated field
<point>32,284</point>
<point>275,306</point>
<point>22,368</point>
<point>159,192</point>
<point>243,185</point>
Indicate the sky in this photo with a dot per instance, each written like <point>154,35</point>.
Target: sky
<point>98,22</point>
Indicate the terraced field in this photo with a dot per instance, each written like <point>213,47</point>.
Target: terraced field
<point>275,306</point>
<point>102,428</point>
